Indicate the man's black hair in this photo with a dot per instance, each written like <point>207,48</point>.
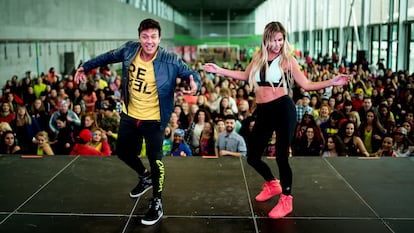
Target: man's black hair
<point>149,24</point>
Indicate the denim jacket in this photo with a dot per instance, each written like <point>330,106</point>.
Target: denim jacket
<point>167,67</point>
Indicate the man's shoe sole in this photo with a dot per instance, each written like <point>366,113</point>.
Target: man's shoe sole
<point>141,193</point>
<point>149,223</point>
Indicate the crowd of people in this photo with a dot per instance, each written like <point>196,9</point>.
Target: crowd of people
<point>275,107</point>
<point>51,114</point>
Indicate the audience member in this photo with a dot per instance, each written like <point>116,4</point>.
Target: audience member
<point>100,141</point>
<point>38,112</point>
<point>167,142</point>
<point>25,127</point>
<point>8,144</point>
<point>302,107</point>
<point>208,140</point>
<point>6,114</point>
<point>371,132</point>
<point>65,139</point>
<point>230,143</point>
<point>4,126</point>
<point>73,119</point>
<point>179,146</point>
<point>334,147</point>
<point>386,149</point>
<point>401,146</point>
<point>310,143</point>
<point>42,142</point>
<point>193,133</point>
<point>410,132</point>
<point>353,143</point>
<point>83,146</point>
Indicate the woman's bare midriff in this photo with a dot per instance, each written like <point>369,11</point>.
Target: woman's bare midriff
<point>267,94</point>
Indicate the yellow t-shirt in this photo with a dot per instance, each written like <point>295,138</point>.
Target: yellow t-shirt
<point>143,94</point>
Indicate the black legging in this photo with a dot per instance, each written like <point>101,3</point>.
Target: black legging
<point>278,115</point>
<point>129,145</point>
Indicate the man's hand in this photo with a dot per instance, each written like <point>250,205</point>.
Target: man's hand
<point>193,86</point>
<point>80,75</point>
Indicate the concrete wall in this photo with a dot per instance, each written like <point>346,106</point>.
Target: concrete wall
<point>35,34</point>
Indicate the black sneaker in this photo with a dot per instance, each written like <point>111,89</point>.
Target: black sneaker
<point>145,184</point>
<point>154,213</point>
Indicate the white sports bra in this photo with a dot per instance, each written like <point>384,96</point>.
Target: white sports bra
<point>274,74</point>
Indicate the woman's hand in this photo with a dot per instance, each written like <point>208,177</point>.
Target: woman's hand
<point>341,80</point>
<point>211,68</point>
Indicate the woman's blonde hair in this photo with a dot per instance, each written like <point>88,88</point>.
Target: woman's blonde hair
<point>4,126</point>
<point>260,58</point>
<point>26,117</point>
<point>43,134</point>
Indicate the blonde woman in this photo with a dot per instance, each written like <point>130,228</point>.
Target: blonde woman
<point>4,126</point>
<point>25,127</point>
<point>275,109</point>
<point>43,146</point>
<point>100,141</point>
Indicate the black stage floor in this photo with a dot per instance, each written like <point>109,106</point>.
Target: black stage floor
<point>90,194</point>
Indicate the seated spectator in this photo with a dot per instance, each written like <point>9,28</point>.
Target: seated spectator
<point>83,146</point>
<point>203,103</point>
<point>65,139</point>
<point>109,121</point>
<point>386,118</point>
<point>13,101</point>
<point>410,132</point>
<point>100,141</point>
<point>310,143</point>
<point>386,149</point>
<point>208,140</point>
<point>401,146</point>
<point>331,127</point>
<point>193,133</point>
<point>77,99</point>
<point>90,98</point>
<point>43,146</point>
<point>334,147</point>
<point>230,143</point>
<point>182,117</point>
<point>89,121</point>
<point>8,144</point>
<point>302,107</point>
<point>270,150</point>
<point>167,142</point>
<point>323,114</point>
<point>4,126</point>
<point>371,132</point>
<point>29,97</point>
<point>73,119</point>
<point>39,87</point>
<point>25,127</point>
<point>179,147</point>
<point>354,117</point>
<point>6,114</point>
<point>78,110</point>
<point>228,111</point>
<point>224,93</point>
<point>358,99</point>
<point>353,143</point>
<point>244,110</point>
<point>38,112</point>
<point>174,123</point>
<point>300,131</point>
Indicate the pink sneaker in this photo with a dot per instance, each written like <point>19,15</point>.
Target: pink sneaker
<point>269,190</point>
<point>283,207</point>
